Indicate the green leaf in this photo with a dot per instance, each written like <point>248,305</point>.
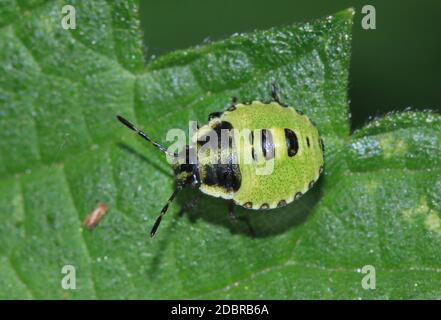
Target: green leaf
<point>62,152</point>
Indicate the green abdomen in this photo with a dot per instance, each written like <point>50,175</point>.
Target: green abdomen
<point>277,156</point>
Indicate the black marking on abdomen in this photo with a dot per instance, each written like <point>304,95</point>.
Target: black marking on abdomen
<point>253,153</point>
<point>307,142</point>
<point>267,144</point>
<point>298,195</point>
<point>281,204</point>
<point>264,206</point>
<point>227,176</point>
<point>291,142</point>
<point>248,205</point>
<point>311,184</point>
<point>322,145</point>
<point>224,125</point>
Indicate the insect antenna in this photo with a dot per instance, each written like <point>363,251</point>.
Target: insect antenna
<point>164,211</point>
<point>144,135</point>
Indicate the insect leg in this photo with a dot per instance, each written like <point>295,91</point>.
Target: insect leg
<point>274,93</point>
<point>250,226</point>
<point>232,211</point>
<point>235,218</point>
<point>193,202</point>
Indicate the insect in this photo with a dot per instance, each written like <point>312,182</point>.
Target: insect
<point>277,133</point>
<point>92,220</point>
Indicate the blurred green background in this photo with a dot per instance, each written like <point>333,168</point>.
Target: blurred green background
<point>394,67</point>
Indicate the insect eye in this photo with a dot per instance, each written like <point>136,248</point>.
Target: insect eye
<point>292,143</point>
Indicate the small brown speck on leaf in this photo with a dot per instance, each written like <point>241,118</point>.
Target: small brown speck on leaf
<point>92,220</point>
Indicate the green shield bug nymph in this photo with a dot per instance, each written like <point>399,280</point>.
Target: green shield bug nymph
<point>278,159</point>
